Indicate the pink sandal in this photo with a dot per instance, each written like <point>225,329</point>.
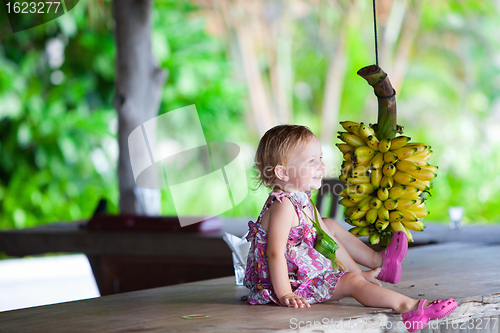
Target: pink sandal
<point>417,319</point>
<point>392,257</point>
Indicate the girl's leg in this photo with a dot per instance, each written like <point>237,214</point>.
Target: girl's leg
<point>359,251</point>
<point>369,294</point>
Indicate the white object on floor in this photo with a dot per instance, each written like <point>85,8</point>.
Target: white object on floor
<point>39,281</point>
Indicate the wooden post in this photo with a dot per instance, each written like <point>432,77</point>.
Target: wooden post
<point>139,83</point>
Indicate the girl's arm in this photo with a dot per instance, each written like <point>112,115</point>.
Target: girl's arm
<point>280,221</point>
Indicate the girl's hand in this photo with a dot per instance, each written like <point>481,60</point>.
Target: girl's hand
<point>292,300</point>
<point>371,276</point>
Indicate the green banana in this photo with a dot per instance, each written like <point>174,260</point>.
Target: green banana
<point>365,231</point>
<point>374,238</point>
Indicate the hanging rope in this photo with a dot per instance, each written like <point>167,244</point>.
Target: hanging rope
<point>375,30</point>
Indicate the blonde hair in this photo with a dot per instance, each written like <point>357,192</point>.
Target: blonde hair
<point>277,147</point>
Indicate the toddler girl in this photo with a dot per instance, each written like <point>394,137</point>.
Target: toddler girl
<point>283,267</point>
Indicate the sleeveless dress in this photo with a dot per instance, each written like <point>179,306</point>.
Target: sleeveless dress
<point>311,274</point>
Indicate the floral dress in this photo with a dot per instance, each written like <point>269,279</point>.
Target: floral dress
<point>311,274</point>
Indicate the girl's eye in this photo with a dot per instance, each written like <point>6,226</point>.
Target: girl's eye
<point>311,161</point>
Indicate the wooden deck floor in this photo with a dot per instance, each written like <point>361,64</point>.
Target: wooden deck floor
<point>468,272</point>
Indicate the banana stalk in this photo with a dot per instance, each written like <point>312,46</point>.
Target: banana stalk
<point>387,127</point>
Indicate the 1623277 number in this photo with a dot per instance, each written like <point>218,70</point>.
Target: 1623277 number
<point>32,7</point>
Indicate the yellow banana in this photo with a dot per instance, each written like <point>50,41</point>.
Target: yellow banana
<point>347,203</point>
<point>371,215</point>
<point>381,224</point>
<point>349,210</point>
<point>383,213</point>
<point>404,178</point>
<point>347,166</point>
<point>425,155</point>
<point>423,174</point>
<point>420,212</point>
<point>365,188</point>
<point>417,160</point>
<point>398,226</point>
<point>420,146</point>
<point>357,197</point>
<point>345,148</point>
<point>372,142</point>
<point>358,180</point>
<point>355,231</point>
<point>395,216</point>
<point>384,145</point>
<point>358,223</point>
<point>348,157</point>
<point>375,203</point>
<point>360,170</point>
<point>407,167</point>
<point>399,142</point>
<point>343,177</point>
<point>430,167</point>
<point>389,169</point>
<point>390,157</point>
<point>387,181</point>
<point>365,231</point>
<point>347,125</point>
<point>377,161</point>
<point>364,204</point>
<point>365,131</point>
<point>362,159</point>
<point>351,139</point>
<point>422,185</point>
<point>391,204</point>
<point>376,178</point>
<point>408,234</point>
<point>408,215</point>
<point>397,192</point>
<point>417,225</point>
<point>404,152</point>
<point>404,204</point>
<point>383,193</point>
<point>411,192</point>
<point>374,238</point>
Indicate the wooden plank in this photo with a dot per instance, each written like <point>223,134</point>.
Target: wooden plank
<point>462,271</point>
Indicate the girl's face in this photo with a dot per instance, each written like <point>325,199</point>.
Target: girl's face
<point>305,170</point>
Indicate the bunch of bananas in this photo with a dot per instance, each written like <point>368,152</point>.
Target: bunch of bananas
<point>386,182</point>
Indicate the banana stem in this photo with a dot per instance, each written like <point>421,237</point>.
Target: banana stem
<point>387,127</point>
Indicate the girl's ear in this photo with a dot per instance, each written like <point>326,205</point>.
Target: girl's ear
<point>280,173</point>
